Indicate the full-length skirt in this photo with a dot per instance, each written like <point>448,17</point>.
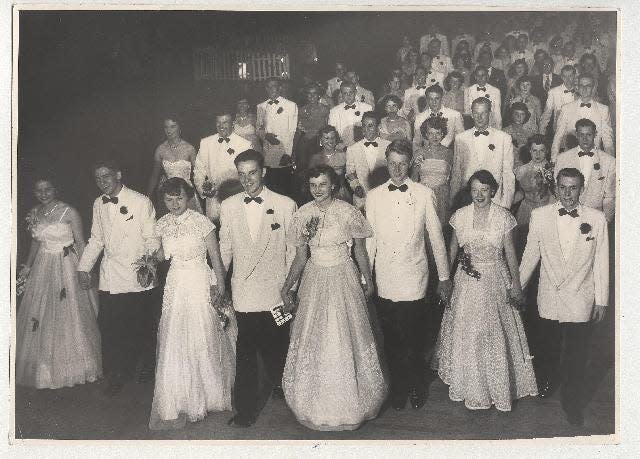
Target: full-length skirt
<point>57,337</point>
<point>482,352</point>
<point>333,378</point>
<point>195,366</point>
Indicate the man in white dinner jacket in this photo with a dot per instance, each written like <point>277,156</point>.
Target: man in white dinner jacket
<point>483,89</point>
<point>571,242</point>
<point>276,124</point>
<point>347,116</point>
<point>483,147</point>
<point>123,231</point>
<point>583,107</point>
<point>253,238</point>
<point>455,125</point>
<point>399,212</point>
<point>214,175</point>
<point>597,167</point>
<point>558,97</point>
<point>366,161</point>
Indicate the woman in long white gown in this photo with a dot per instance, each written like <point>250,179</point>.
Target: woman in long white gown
<point>57,337</point>
<point>482,352</point>
<point>196,354</point>
<point>333,377</point>
<point>173,158</point>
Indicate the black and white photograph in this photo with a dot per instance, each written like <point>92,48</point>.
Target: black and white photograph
<point>315,225</point>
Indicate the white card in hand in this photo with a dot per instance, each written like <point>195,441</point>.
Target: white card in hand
<point>279,315</point>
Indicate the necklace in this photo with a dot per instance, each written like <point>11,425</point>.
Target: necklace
<point>173,146</point>
<point>50,211</point>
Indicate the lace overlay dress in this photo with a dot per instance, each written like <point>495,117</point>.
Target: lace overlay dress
<point>195,366</point>
<point>482,352</point>
<point>333,378</point>
<point>57,337</point>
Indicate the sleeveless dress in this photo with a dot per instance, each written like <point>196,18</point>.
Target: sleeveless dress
<point>195,366</point>
<point>248,132</point>
<point>435,173</point>
<point>182,168</point>
<point>482,352</point>
<point>57,337</point>
<point>333,378</point>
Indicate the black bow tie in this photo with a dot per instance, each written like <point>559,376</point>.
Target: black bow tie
<point>106,199</point>
<point>421,87</point>
<point>562,211</point>
<point>375,144</point>
<point>569,90</point>
<point>347,107</point>
<point>481,89</point>
<point>585,105</point>
<point>223,139</point>
<point>478,133</point>
<point>257,199</point>
<point>434,115</point>
<point>585,153</point>
<point>271,102</point>
<point>402,187</point>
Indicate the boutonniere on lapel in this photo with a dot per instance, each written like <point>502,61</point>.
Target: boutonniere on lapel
<point>492,147</point>
<point>357,113</point>
<point>585,228</point>
<point>269,211</point>
<point>275,226</point>
<point>280,110</point>
<point>231,151</point>
<point>596,167</point>
<point>124,210</point>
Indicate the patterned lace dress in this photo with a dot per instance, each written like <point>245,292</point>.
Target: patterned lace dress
<point>195,357</point>
<point>333,377</point>
<point>482,352</point>
<point>57,337</point>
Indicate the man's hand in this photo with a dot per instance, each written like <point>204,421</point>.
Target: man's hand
<point>598,312</point>
<point>359,191</point>
<point>84,279</point>
<point>271,138</point>
<point>445,288</point>
<point>288,297</point>
<point>286,160</point>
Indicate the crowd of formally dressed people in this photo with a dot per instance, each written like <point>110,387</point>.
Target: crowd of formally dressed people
<point>305,236</point>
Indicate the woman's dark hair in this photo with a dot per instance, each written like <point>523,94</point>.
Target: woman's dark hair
<point>486,178</point>
<point>401,146</point>
<point>388,97</point>
<point>434,122</point>
<point>512,69</point>
<point>317,171</point>
<point>174,186</point>
<point>522,107</point>
<point>524,79</point>
<point>47,176</point>
<point>536,139</point>
<point>327,129</point>
<point>173,117</point>
<point>454,74</point>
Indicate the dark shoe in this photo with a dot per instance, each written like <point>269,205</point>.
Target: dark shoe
<point>240,421</point>
<point>277,393</point>
<point>145,376</point>
<point>398,403</point>
<point>417,399</point>
<point>114,388</point>
<point>545,389</point>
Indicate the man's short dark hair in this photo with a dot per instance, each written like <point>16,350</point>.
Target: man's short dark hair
<point>372,115</point>
<point>481,101</point>
<point>249,155</point>
<point>174,186</point>
<point>109,162</point>
<point>570,172</point>
<point>401,146</point>
<point>584,122</point>
<point>434,88</point>
<point>568,68</point>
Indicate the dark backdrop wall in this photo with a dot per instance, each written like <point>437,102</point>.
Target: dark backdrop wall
<point>93,83</point>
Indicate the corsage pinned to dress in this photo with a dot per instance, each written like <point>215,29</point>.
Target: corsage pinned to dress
<point>145,268</point>
<point>465,264</point>
<point>311,228</point>
<point>31,221</point>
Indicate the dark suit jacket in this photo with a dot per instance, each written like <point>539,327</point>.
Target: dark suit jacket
<point>497,79</point>
<point>538,89</point>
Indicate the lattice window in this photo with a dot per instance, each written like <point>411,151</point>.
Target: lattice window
<point>216,64</point>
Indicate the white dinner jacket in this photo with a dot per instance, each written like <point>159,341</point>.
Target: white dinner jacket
<point>397,249</point>
<point>600,190</point>
<point>280,119</point>
<point>124,235</point>
<point>358,170</point>
<point>363,95</point>
<point>345,120</point>
<point>492,93</point>
<point>467,159</point>
<point>455,125</point>
<point>260,267</point>
<point>572,112</point>
<point>568,288</point>
<point>556,99</point>
<point>426,39</point>
<point>215,161</point>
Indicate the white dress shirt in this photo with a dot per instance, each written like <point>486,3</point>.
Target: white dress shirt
<point>568,230</point>
<point>586,166</point>
<point>254,212</point>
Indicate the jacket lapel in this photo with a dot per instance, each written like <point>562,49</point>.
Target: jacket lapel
<point>552,239</point>
<point>576,250</point>
<point>264,235</point>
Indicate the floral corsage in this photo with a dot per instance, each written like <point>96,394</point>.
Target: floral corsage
<point>311,228</point>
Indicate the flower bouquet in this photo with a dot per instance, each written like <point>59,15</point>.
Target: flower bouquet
<point>224,311</point>
<point>146,267</point>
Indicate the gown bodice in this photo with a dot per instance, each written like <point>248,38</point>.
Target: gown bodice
<point>53,236</point>
<point>180,168</point>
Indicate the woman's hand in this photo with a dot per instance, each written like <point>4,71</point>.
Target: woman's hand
<point>217,295</point>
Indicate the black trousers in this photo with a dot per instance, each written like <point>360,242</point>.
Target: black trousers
<point>257,333</point>
<point>402,325</point>
<point>128,326</point>
<point>573,356</point>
